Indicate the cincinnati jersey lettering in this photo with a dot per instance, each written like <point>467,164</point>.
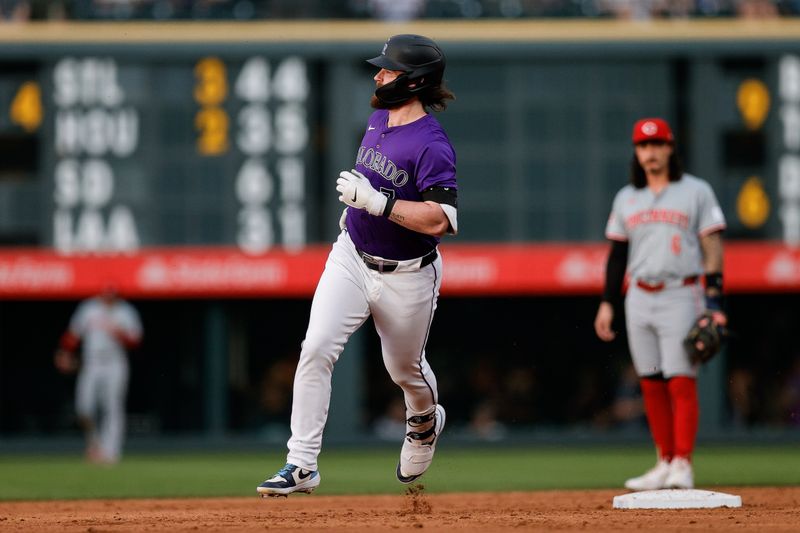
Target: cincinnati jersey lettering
<point>650,216</point>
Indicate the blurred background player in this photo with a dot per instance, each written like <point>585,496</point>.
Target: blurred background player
<point>105,327</point>
<point>665,229</point>
<point>402,200</point>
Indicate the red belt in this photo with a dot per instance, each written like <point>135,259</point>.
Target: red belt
<point>660,286</point>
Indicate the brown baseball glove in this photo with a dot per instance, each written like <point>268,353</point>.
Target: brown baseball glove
<point>705,339</point>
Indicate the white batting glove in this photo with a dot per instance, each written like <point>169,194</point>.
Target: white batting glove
<point>356,191</point>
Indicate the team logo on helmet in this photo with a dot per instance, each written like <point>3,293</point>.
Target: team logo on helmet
<point>649,128</point>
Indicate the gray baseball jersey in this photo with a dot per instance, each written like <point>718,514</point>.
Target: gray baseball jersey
<point>93,322</point>
<point>663,230</point>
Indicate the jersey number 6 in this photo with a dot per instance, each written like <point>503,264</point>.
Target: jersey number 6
<point>676,244</point>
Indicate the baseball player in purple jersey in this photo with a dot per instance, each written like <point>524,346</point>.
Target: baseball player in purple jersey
<point>401,199</point>
<point>665,228</point>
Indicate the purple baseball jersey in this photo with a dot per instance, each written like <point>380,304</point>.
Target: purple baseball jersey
<point>400,162</point>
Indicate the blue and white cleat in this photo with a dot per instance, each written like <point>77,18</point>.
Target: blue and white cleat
<point>418,447</point>
<point>289,479</point>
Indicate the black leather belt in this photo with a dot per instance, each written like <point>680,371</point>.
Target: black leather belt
<point>382,265</point>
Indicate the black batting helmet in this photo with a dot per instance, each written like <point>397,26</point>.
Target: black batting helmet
<point>420,59</point>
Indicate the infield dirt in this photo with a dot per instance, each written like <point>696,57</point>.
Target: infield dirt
<point>763,509</point>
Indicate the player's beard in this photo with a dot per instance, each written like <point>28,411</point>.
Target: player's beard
<point>377,103</point>
<point>653,166</point>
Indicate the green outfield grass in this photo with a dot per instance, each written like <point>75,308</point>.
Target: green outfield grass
<point>29,477</point>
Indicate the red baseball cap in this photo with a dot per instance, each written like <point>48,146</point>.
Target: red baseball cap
<point>652,129</point>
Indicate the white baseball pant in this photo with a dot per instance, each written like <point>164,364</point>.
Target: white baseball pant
<point>402,304</point>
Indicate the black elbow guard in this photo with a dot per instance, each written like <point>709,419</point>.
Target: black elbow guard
<point>441,195</point>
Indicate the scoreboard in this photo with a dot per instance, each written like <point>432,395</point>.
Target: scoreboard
<point>165,153</point>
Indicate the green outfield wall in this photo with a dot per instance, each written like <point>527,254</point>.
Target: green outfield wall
<point>117,138</point>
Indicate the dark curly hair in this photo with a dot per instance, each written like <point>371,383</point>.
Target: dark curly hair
<point>436,98</point>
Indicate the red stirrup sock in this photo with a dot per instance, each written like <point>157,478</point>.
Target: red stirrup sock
<point>658,407</point>
<point>686,411</point>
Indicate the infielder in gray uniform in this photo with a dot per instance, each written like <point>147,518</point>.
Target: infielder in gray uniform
<point>665,229</point>
<point>106,326</point>
<point>401,199</point>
